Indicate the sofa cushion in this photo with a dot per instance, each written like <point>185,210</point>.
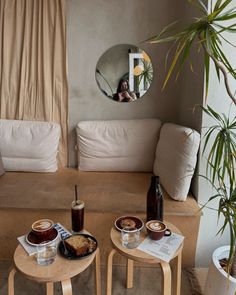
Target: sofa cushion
<point>175,160</point>
<point>2,171</point>
<point>117,145</point>
<point>29,145</point>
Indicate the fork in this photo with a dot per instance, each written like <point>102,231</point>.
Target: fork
<point>66,252</point>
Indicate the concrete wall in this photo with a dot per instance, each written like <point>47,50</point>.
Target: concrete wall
<point>96,25</point>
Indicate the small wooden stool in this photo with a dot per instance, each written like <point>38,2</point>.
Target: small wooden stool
<point>61,270</point>
<point>137,255</point>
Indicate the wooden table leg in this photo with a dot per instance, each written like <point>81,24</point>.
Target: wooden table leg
<point>11,281</point>
<point>166,278</point>
<point>129,273</point>
<point>49,287</point>
<point>177,272</point>
<point>109,271</point>
<point>66,287</point>
<point>98,273</point>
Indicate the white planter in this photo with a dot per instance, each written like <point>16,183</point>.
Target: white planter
<point>218,282</point>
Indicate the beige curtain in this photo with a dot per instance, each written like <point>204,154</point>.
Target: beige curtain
<point>33,64</point>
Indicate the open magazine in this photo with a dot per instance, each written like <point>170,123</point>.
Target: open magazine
<point>31,250</point>
<point>164,248</point>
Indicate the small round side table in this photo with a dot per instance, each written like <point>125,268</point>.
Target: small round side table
<point>140,256</point>
<point>61,270</point>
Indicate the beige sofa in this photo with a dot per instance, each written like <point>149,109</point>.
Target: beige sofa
<point>25,197</point>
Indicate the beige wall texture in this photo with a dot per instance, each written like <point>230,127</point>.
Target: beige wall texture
<point>96,25</point>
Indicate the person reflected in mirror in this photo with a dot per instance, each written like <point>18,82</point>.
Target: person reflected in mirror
<point>123,93</point>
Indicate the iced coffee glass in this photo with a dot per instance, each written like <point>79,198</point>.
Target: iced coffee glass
<point>77,216</point>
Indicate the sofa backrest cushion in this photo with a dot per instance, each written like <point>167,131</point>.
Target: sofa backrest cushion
<point>2,171</point>
<point>29,145</point>
<point>175,160</point>
<point>117,145</point>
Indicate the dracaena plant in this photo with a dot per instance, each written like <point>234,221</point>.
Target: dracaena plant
<point>145,73</point>
<point>207,33</point>
<point>226,196</point>
<point>222,155</point>
<point>220,171</point>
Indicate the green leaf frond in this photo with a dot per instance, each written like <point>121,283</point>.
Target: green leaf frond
<point>206,31</point>
<point>221,140</point>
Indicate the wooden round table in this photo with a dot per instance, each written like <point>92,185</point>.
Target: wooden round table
<point>61,270</point>
<point>140,256</point>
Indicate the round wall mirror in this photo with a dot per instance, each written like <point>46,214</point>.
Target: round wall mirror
<point>124,73</point>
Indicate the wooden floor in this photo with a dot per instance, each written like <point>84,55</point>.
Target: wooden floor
<point>146,281</point>
<point>201,274</point>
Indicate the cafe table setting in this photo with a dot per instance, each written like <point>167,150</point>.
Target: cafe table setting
<point>153,242</point>
<point>50,253</point>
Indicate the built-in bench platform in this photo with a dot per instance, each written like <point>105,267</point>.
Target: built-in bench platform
<point>25,197</point>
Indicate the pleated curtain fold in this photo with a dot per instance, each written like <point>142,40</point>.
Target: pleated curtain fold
<point>33,63</point>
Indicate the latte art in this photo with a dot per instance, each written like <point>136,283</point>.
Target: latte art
<point>156,226</point>
<point>42,225</point>
<point>127,223</point>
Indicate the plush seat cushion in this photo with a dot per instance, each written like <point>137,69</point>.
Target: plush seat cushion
<point>29,145</point>
<point>117,145</point>
<point>176,157</point>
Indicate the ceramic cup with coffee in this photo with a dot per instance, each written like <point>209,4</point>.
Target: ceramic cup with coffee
<point>42,229</point>
<point>157,229</point>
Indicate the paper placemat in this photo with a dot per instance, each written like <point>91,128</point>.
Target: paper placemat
<point>164,248</point>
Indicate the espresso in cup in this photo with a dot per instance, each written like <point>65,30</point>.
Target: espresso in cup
<point>42,228</point>
<point>157,229</point>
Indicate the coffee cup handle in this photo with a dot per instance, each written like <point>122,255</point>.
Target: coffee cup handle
<point>168,232</point>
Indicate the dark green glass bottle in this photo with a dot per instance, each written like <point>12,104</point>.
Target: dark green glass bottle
<point>155,200</point>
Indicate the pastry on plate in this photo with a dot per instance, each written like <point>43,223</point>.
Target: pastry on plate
<point>80,245</point>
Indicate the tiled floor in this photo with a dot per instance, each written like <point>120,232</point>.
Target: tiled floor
<point>146,281</point>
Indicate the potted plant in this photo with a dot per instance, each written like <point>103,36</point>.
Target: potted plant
<point>207,31</point>
<point>221,167</point>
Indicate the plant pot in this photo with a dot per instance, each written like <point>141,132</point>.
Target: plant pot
<point>218,282</point>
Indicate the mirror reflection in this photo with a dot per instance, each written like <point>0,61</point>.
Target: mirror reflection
<point>124,73</point>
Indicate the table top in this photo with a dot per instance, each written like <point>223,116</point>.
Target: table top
<point>61,269</point>
<point>136,254</point>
